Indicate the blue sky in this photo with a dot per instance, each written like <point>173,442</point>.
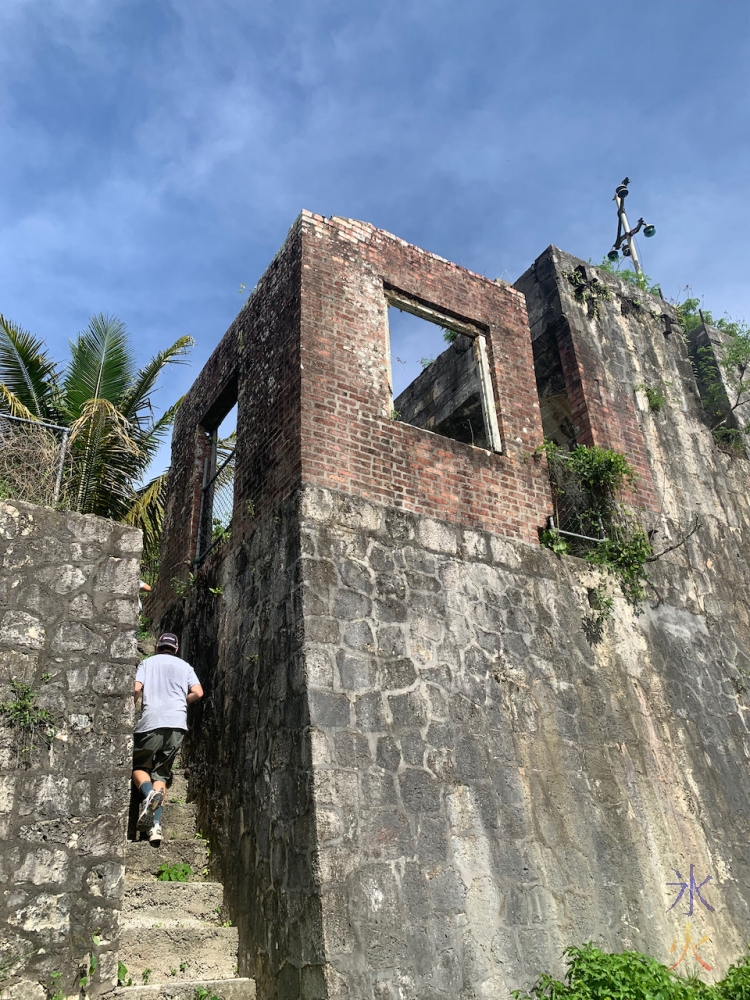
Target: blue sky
<point>155,152</point>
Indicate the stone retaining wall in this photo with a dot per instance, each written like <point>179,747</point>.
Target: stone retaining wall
<point>68,610</point>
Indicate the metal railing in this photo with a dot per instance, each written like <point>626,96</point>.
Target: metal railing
<point>32,459</point>
<point>574,534</point>
<point>217,501</point>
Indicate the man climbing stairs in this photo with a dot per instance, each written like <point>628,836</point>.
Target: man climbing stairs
<point>175,942</point>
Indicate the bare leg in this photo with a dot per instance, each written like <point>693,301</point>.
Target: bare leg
<point>140,776</point>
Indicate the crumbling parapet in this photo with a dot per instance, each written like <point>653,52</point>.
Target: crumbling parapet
<point>68,611</point>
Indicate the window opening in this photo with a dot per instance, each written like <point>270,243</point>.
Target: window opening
<point>217,492</point>
<point>440,374</point>
<point>557,419</point>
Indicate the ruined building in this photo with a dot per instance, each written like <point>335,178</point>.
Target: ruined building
<point>420,778</point>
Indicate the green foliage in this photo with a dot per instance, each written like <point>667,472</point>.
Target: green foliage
<point>201,993</point>
<point>220,532</point>
<point>27,720</point>
<point>183,587</point>
<point>629,275</point>
<point>395,414</point>
<point>146,976</point>
<point>449,336</point>
<point>106,402</point>
<point>624,553</point>
<point>179,872</point>
<point>689,313</point>
<point>654,395</point>
<point>552,539</point>
<point>602,471</point>
<point>596,975</point>
<point>426,362</point>
<point>587,484</point>
<point>216,591</point>
<point>590,292</point>
<point>55,993</point>
<point>144,628</point>
<point>723,374</point>
<point>123,979</point>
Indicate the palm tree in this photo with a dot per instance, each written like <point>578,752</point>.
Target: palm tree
<point>105,401</point>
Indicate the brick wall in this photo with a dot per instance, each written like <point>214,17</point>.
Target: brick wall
<point>349,440</point>
<point>256,365</point>
<point>309,355</point>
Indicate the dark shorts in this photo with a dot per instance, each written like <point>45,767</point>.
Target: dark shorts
<point>155,752</point>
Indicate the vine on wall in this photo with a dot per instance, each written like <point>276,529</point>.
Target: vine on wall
<point>588,484</point>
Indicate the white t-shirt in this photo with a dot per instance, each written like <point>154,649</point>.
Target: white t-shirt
<point>166,680</point>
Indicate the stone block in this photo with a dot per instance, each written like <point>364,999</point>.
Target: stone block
<point>20,629</point>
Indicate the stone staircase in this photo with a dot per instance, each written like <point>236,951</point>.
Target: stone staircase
<point>176,929</point>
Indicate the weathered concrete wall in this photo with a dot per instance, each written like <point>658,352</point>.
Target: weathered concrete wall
<point>431,783</point>
<point>68,607</point>
<point>708,346</point>
<point>249,750</point>
<point>490,788</point>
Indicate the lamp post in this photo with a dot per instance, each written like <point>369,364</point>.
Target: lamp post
<point>624,233</point>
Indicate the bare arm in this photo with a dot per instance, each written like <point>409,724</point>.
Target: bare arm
<point>137,691</point>
<point>195,693</point>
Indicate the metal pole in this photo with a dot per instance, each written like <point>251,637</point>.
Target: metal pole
<point>620,202</point>
<point>63,449</point>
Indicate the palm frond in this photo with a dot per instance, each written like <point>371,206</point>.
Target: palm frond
<point>101,365</point>
<point>11,404</point>
<point>136,396</point>
<point>147,513</point>
<point>26,369</point>
<point>150,438</point>
<point>105,461</point>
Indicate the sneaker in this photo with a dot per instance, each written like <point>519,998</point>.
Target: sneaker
<point>154,834</point>
<point>146,813</point>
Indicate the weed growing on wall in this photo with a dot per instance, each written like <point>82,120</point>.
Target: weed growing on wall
<point>201,993</point>
<point>654,396</point>
<point>587,485</point>
<point>28,723</point>
<point>183,587</point>
<point>123,977</point>
<point>629,275</point>
<point>724,380</point>
<point>590,292</point>
<point>596,975</point>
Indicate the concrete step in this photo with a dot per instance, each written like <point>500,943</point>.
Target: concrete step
<point>226,989</point>
<point>179,954</point>
<point>178,821</point>
<point>148,902</point>
<point>179,787</point>
<point>143,859</point>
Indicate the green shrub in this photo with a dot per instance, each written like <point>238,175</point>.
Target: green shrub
<point>587,484</point>
<point>596,975</point>
<point>179,872</point>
